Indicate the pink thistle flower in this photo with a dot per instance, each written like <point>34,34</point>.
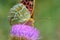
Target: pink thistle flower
<point>21,30</point>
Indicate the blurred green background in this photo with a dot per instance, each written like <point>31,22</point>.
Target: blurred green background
<point>47,18</point>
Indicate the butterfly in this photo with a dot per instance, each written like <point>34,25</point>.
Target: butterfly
<point>22,13</point>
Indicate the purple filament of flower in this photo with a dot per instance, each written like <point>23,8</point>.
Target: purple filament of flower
<point>25,30</point>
